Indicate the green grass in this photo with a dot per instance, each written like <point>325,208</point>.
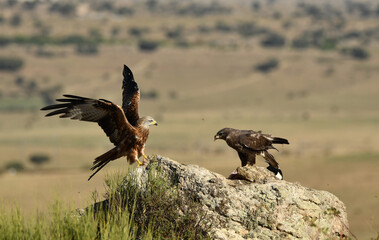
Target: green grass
<point>131,210</point>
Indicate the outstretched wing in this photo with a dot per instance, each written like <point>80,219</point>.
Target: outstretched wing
<point>109,116</point>
<point>130,96</point>
<point>255,141</point>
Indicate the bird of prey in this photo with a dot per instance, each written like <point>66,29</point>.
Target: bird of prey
<point>249,143</point>
<point>123,126</point>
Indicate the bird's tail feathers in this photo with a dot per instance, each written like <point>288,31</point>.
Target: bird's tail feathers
<point>270,159</point>
<point>103,160</point>
<point>280,140</point>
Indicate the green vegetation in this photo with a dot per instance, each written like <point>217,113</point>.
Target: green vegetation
<point>10,63</point>
<point>202,78</point>
<point>267,66</point>
<point>39,159</point>
<point>131,211</point>
<point>16,166</point>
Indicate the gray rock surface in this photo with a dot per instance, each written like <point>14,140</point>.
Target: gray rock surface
<point>261,207</point>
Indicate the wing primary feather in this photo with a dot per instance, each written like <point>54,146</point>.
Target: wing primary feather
<point>59,111</point>
<point>55,106</point>
<point>75,97</point>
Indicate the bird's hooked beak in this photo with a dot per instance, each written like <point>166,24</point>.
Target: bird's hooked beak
<point>154,123</point>
<point>216,137</point>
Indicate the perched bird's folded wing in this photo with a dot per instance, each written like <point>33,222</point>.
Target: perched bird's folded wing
<point>130,96</point>
<point>108,115</point>
<point>254,141</point>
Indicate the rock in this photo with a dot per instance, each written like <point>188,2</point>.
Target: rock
<point>261,207</point>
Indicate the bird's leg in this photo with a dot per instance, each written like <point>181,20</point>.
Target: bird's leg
<point>144,156</point>
<point>139,163</point>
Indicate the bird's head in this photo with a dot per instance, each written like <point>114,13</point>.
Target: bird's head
<point>148,121</point>
<point>222,134</point>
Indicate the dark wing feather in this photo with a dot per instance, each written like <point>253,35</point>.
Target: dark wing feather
<point>109,116</point>
<point>255,141</point>
<point>130,96</point>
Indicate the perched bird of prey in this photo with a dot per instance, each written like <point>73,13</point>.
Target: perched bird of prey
<point>125,129</point>
<point>249,143</point>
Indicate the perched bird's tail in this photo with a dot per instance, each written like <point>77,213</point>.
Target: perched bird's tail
<point>280,140</point>
<point>270,159</point>
<point>103,160</point>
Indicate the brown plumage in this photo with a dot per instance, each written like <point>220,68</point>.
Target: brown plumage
<point>249,143</point>
<point>123,126</point>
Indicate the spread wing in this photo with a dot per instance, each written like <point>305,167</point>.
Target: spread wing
<point>255,140</point>
<point>130,96</point>
<point>108,115</point>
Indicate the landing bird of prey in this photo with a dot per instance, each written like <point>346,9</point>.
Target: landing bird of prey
<point>125,129</point>
<point>249,143</point>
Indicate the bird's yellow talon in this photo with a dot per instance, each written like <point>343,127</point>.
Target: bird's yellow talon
<point>139,163</point>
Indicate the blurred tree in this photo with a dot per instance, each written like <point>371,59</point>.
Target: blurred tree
<point>273,40</point>
<point>256,6</point>
<point>4,41</point>
<point>64,8</point>
<point>126,11</point>
<point>15,20</point>
<point>356,52</point>
<point>174,33</point>
<point>39,159</point>
<point>147,45</point>
<point>87,48</point>
<point>10,63</point>
<point>15,166</point>
<point>267,66</point>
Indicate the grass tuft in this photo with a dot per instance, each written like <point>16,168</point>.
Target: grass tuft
<point>138,206</point>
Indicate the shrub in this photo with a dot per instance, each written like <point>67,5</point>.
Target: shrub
<point>204,29</point>
<point>48,94</point>
<point>29,5</point>
<point>15,166</point>
<point>87,48</point>
<point>125,11</point>
<point>256,6</point>
<point>152,94</point>
<point>356,53</point>
<point>147,45</point>
<point>4,41</point>
<point>158,212</point>
<point>249,29</point>
<point>198,9</point>
<point>115,31</point>
<point>165,212</point>
<point>39,159</point>
<point>10,63</point>
<point>103,6</point>
<point>175,32</point>
<point>15,20</point>
<point>329,44</point>
<point>137,31</point>
<point>267,66</point>
<point>223,27</point>
<point>19,81</point>
<point>300,42</point>
<point>273,40</point>
<point>63,8</point>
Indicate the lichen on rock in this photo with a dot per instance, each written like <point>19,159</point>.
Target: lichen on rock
<point>261,207</point>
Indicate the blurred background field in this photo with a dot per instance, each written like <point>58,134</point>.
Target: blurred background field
<point>304,70</point>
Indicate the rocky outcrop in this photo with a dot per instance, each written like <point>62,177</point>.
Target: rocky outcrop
<point>260,207</point>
